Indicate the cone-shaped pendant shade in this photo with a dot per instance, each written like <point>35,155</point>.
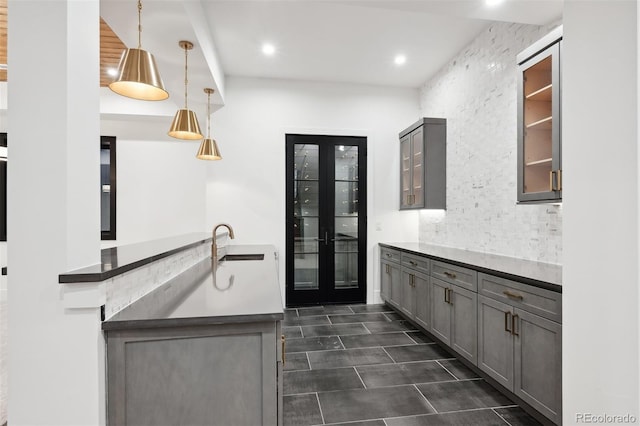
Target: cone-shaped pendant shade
<point>138,77</point>
<point>209,150</point>
<point>185,125</point>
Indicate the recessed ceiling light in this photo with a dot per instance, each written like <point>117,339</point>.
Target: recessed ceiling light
<point>268,49</point>
<point>400,60</point>
<point>492,3</point>
<point>112,72</point>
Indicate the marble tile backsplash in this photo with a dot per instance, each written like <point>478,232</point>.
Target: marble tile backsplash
<point>476,92</point>
<point>124,289</point>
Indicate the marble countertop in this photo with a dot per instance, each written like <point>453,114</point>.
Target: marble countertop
<point>545,275</point>
<point>237,291</point>
<point>117,260</point>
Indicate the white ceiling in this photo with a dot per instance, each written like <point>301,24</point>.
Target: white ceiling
<point>351,41</point>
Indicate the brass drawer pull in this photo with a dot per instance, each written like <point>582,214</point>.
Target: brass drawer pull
<point>388,255</point>
<point>413,263</point>
<point>515,296</point>
<point>450,274</point>
<point>514,321</point>
<point>507,316</point>
<point>283,340</point>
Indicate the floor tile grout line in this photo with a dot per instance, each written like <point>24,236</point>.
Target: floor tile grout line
<point>355,368</point>
<point>301,332</point>
<point>500,415</point>
<point>308,360</point>
<point>320,407</point>
<point>407,334</point>
<point>389,355</point>
<point>341,343</point>
<point>454,376</point>
<point>425,398</point>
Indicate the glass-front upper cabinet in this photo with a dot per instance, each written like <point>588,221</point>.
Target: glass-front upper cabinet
<point>539,120</point>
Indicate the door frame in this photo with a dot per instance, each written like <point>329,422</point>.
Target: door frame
<point>326,293</point>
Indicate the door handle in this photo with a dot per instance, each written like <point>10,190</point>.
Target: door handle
<point>324,240</point>
<point>507,320</point>
<point>514,322</point>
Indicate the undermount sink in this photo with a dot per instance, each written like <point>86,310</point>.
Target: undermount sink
<point>233,257</point>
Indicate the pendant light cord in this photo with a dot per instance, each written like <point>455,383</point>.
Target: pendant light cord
<point>139,24</point>
<point>209,115</point>
<point>185,77</point>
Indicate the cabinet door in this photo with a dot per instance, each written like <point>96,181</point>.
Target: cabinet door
<point>539,165</point>
<point>495,341</point>
<point>405,172</point>
<point>385,281</point>
<point>417,168</point>
<point>408,303</point>
<point>538,363</point>
<point>422,310</point>
<point>464,332</point>
<point>395,285</point>
<point>440,311</point>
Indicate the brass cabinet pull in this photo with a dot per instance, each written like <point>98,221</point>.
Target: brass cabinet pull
<point>387,270</point>
<point>449,291</point>
<point>515,296</point>
<point>559,180</point>
<point>551,173</point>
<point>507,316</point>
<point>283,341</point>
<point>413,263</point>
<point>514,321</point>
<point>450,274</point>
<point>445,295</point>
<point>412,280</point>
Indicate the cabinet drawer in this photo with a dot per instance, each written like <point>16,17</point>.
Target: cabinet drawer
<point>539,301</point>
<point>418,263</point>
<point>463,277</point>
<point>389,254</point>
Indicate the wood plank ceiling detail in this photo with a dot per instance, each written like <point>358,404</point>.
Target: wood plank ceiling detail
<point>111,47</point>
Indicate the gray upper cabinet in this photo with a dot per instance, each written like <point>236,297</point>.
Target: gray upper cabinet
<point>539,121</point>
<point>423,165</point>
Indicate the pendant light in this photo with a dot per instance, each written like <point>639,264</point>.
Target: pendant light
<point>209,148</point>
<point>185,123</point>
<point>138,75</point>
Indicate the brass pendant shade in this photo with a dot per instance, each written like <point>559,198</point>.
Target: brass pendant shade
<point>185,123</point>
<point>185,126</point>
<point>138,76</point>
<point>209,150</point>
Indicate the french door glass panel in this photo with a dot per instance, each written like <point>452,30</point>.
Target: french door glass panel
<point>306,222</point>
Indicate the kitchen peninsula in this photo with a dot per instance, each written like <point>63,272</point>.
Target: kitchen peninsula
<point>204,346</point>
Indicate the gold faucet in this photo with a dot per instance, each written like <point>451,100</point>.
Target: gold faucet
<point>214,244</point>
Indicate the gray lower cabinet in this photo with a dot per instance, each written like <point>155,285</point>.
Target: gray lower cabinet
<point>523,352</point>
<point>453,317</point>
<point>225,374</point>
<point>390,283</point>
<point>415,296</point>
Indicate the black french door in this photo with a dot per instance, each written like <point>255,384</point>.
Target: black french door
<point>326,219</point>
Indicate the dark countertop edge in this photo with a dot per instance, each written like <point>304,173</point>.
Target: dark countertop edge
<point>4,270</point>
<point>536,283</point>
<point>191,321</point>
<point>79,277</point>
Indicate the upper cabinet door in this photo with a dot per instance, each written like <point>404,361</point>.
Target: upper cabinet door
<point>405,172</point>
<point>539,121</point>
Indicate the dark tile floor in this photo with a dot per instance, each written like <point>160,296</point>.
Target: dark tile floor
<point>362,365</point>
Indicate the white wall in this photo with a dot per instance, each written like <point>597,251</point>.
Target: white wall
<point>601,194</point>
<point>247,188</point>
<point>161,184</point>
<point>476,93</point>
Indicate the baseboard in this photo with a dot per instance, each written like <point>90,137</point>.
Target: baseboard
<point>506,392</point>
